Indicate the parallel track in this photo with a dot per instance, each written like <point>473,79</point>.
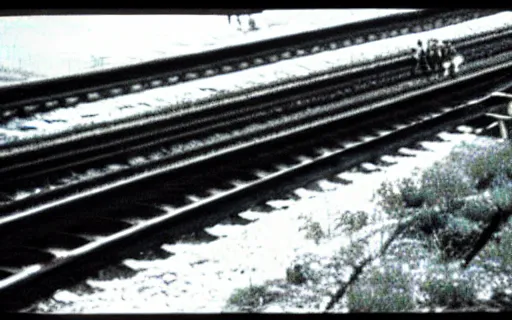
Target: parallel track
<point>87,147</point>
<point>59,232</point>
<point>30,98</point>
<point>11,209</point>
<point>109,229</point>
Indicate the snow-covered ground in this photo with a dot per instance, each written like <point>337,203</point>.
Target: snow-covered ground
<point>202,276</point>
<point>172,97</point>
<point>60,45</point>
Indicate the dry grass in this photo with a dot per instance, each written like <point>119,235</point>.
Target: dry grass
<point>387,290</point>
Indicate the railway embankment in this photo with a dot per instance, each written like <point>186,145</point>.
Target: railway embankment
<point>435,240</point>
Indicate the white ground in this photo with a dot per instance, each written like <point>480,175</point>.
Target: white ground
<point>58,45</point>
<point>168,97</point>
<point>201,277</point>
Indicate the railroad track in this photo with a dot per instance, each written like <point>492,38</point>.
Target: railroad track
<point>100,145</point>
<point>61,185</point>
<point>54,238</point>
<point>30,98</point>
<point>10,210</point>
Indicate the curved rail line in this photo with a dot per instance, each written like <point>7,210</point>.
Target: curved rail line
<point>32,97</point>
<point>131,137</point>
<point>340,153</point>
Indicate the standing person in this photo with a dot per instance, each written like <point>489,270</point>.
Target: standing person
<point>445,57</point>
<point>451,52</point>
<point>237,18</point>
<point>421,59</point>
<point>456,59</point>
<point>417,56</point>
<point>239,22</point>
<point>435,56</point>
<point>252,24</point>
<point>430,52</point>
<point>444,50</point>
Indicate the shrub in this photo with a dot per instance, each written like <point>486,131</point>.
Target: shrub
<point>426,222</point>
<point>313,230</point>
<point>453,293</point>
<point>498,254</point>
<point>394,201</point>
<point>502,196</point>
<point>388,291</point>
<point>458,237</point>
<point>295,275</point>
<point>352,221</point>
<point>411,193</point>
<point>464,151</point>
<point>475,210</point>
<point>441,185</point>
<point>444,184</point>
<point>306,267</point>
<point>252,296</point>
<point>452,235</point>
<point>352,254</point>
<point>491,165</point>
<point>409,251</point>
<point>389,200</point>
<point>466,170</point>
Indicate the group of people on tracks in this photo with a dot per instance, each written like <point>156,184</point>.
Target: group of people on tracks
<point>438,57</point>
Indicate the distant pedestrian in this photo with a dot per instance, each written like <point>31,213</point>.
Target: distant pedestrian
<point>252,24</point>
<point>446,57</point>
<point>452,60</point>
<point>420,55</point>
<point>444,50</point>
<point>450,50</point>
<point>434,56</point>
<point>237,18</point>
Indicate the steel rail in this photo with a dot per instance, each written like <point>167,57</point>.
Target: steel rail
<point>31,97</point>
<point>351,155</point>
<point>35,145</point>
<point>104,184</point>
<point>351,103</point>
<point>23,161</point>
<point>60,192</point>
